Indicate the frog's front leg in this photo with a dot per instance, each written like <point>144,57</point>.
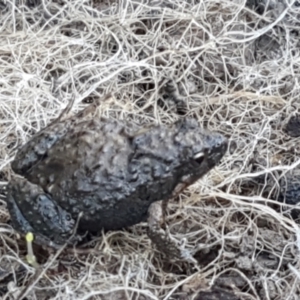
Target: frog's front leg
<point>161,238</point>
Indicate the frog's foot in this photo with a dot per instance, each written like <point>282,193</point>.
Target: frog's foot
<point>161,238</point>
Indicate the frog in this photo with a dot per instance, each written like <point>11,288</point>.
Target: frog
<point>86,173</point>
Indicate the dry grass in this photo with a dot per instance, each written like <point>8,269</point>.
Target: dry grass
<point>235,69</point>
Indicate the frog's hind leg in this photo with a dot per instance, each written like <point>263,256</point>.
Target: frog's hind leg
<point>161,238</point>
<point>32,210</point>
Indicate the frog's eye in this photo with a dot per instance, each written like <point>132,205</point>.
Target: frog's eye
<point>68,218</point>
<point>199,157</point>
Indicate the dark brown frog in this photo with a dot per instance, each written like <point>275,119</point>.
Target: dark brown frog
<point>111,171</point>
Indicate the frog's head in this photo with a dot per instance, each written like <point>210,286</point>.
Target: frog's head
<point>200,149</point>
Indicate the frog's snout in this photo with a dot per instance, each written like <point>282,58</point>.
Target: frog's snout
<point>217,145</point>
<point>221,144</point>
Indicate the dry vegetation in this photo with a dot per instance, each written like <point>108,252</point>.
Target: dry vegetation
<point>234,65</point>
